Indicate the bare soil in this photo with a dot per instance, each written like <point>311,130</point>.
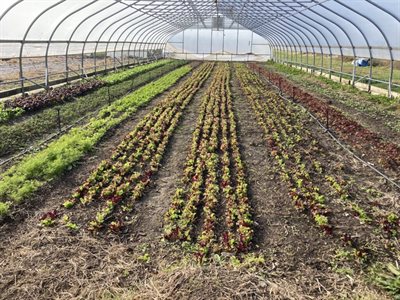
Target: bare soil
<point>293,246</point>
<point>66,262</point>
<point>298,260</point>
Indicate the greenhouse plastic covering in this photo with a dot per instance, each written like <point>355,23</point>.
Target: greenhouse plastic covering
<point>44,27</point>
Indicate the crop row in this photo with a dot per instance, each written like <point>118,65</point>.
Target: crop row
<point>213,189</point>
<point>25,132</point>
<point>295,152</point>
<point>53,96</point>
<point>117,77</point>
<point>122,179</point>
<point>285,138</point>
<point>388,222</point>
<point>27,103</point>
<point>24,178</point>
<point>363,140</point>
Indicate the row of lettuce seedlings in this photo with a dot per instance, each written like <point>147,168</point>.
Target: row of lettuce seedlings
<point>120,181</point>
<point>211,210</point>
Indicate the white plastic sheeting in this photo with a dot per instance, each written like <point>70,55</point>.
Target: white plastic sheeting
<point>89,35</point>
<point>356,28</point>
<point>230,39</point>
<point>368,28</point>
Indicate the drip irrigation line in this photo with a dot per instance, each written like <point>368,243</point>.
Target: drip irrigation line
<point>66,128</point>
<point>364,162</point>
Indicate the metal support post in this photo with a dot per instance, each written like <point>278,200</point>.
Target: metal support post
<point>390,80</point>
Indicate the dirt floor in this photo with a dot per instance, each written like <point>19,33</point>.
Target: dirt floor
<point>291,258</point>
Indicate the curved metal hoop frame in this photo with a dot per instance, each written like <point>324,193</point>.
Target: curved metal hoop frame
<point>145,26</point>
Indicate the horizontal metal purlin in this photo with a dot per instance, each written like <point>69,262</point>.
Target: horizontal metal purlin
<point>65,42</point>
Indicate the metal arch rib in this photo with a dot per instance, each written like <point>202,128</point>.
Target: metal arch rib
<point>153,34</point>
<point>387,43</point>
<point>372,22</point>
<point>156,38</point>
<point>384,10</point>
<point>127,28</point>
<point>144,31</point>
<point>139,29</point>
<point>355,26</point>
<point>315,37</point>
<point>310,8</point>
<point>304,27</point>
<point>163,19</point>
<point>196,11</point>
<point>246,24</point>
<point>278,37</point>
<point>129,33</point>
<point>97,44</point>
<point>345,34</point>
<point>146,23</point>
<point>281,26</point>
<point>10,8</point>
<point>160,29</point>
<point>327,28</point>
<point>101,21</point>
<point>79,24</point>
<point>331,32</point>
<point>129,49</point>
<point>163,34</point>
<point>295,28</point>
<point>317,29</point>
<point>275,42</point>
<point>305,35</point>
<point>144,13</point>
<point>278,31</point>
<point>55,30</point>
<point>25,36</point>
<point>334,36</point>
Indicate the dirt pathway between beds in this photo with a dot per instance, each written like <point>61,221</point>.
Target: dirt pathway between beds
<point>295,249</point>
<point>49,263</point>
<point>53,263</point>
<point>150,212</point>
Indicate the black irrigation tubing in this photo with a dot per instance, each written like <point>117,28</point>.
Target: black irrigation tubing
<point>327,130</point>
<point>64,129</point>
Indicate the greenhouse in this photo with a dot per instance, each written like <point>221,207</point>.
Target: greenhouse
<point>200,149</point>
